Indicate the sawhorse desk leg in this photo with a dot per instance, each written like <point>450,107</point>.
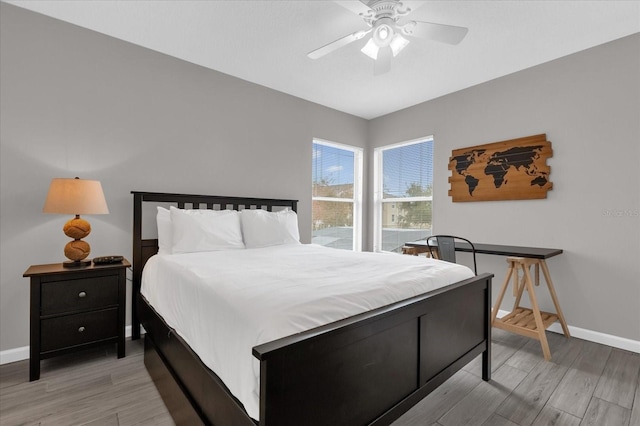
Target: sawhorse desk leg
<point>530,322</point>
<point>417,251</point>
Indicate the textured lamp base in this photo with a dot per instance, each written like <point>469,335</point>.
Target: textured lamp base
<point>77,250</point>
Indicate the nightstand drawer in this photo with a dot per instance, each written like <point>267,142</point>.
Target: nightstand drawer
<point>72,330</point>
<point>78,295</point>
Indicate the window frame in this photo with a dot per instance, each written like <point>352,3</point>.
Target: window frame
<point>378,189</point>
<point>358,167</point>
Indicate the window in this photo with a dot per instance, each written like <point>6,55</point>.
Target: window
<point>337,195</point>
<point>403,193</point>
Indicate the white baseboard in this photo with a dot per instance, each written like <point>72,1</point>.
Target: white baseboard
<point>13,355</point>
<point>19,354</point>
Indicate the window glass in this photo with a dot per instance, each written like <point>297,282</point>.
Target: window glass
<point>404,195</point>
<point>408,170</point>
<point>332,171</point>
<point>336,195</point>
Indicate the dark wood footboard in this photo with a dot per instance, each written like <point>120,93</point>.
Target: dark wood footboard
<point>371,368</point>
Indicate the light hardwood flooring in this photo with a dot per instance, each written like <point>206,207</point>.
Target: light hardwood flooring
<point>583,384</point>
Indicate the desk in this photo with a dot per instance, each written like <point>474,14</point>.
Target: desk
<point>530,322</point>
<point>497,249</point>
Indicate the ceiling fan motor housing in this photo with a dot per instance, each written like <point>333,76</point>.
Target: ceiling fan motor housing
<point>380,9</point>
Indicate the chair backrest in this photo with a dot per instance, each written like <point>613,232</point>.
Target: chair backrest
<point>443,247</point>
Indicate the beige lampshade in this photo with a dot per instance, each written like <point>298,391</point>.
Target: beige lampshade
<point>75,196</point>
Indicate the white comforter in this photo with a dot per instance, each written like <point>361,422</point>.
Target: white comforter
<point>224,303</point>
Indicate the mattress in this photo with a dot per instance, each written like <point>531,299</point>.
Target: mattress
<point>226,302</point>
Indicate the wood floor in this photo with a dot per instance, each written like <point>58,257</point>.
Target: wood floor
<point>584,384</point>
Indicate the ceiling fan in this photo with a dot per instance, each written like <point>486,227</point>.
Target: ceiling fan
<point>388,31</point>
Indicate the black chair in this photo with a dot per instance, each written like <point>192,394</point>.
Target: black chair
<point>443,247</point>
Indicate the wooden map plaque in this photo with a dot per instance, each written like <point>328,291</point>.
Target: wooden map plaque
<point>509,170</point>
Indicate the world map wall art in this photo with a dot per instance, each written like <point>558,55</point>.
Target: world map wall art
<point>509,170</point>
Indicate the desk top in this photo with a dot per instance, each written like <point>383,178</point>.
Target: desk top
<point>500,250</point>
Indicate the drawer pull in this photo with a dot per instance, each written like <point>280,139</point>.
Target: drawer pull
<point>81,330</point>
<point>82,294</point>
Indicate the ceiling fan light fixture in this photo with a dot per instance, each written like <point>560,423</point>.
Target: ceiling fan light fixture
<point>371,49</point>
<point>382,35</point>
<point>397,44</point>
<point>393,39</point>
<point>383,32</point>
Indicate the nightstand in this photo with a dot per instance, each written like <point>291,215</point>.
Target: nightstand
<point>75,308</point>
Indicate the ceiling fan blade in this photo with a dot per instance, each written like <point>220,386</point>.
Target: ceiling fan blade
<point>357,7</point>
<point>449,34</point>
<point>383,63</point>
<point>337,44</point>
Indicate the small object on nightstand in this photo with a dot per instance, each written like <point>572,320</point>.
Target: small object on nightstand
<point>107,260</point>
<point>75,308</point>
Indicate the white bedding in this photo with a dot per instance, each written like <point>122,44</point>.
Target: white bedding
<point>226,302</point>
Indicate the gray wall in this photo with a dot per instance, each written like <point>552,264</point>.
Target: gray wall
<point>588,104</point>
<point>77,103</point>
<point>74,102</point>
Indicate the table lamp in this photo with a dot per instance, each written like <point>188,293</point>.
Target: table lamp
<point>76,196</point>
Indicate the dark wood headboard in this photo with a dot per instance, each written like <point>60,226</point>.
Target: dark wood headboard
<point>143,249</point>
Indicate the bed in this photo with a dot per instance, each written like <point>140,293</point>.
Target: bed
<point>368,368</point>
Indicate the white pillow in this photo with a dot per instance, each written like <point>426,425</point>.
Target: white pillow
<point>165,233</point>
<point>261,228</point>
<point>205,230</point>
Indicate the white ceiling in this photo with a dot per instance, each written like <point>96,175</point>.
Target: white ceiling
<point>266,42</point>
